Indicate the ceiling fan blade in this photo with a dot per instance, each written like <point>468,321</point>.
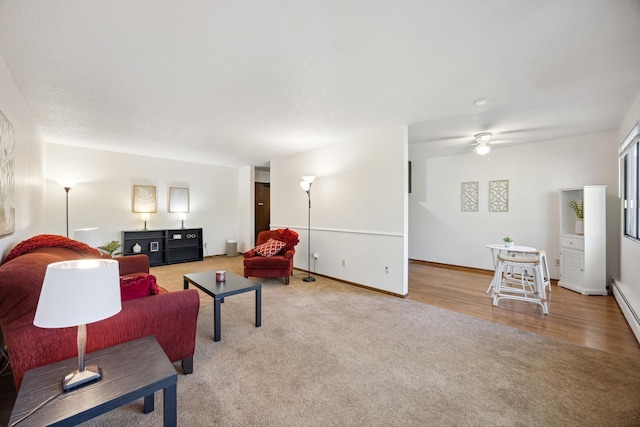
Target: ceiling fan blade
<point>442,139</point>
<point>505,141</point>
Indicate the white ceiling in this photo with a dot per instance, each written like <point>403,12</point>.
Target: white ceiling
<point>242,82</point>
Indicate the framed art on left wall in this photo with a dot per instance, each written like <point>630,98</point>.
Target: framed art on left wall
<point>144,198</point>
<point>7,177</point>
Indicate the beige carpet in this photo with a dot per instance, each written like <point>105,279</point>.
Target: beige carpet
<point>330,354</point>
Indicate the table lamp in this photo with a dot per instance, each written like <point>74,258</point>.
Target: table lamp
<point>145,216</point>
<point>75,293</point>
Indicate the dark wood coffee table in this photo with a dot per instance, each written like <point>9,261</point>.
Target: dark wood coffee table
<point>206,282</point>
<point>130,371</point>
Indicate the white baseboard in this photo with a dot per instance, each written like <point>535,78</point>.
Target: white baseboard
<point>629,306</point>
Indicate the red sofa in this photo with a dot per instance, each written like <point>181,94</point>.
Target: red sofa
<point>280,265</point>
<point>170,316</point>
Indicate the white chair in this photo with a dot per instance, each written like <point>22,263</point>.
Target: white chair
<point>512,251</point>
<point>527,275</point>
<point>545,270</point>
<point>522,278</point>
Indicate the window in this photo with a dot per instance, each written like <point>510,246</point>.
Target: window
<point>630,151</point>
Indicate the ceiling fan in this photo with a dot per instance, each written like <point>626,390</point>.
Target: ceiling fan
<point>482,141</point>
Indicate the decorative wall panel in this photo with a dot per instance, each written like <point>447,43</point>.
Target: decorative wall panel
<point>470,196</point>
<point>499,196</point>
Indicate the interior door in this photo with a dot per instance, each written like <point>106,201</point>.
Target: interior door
<point>262,210</point>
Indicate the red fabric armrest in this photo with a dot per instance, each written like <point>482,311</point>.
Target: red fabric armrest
<point>289,254</point>
<point>249,254</point>
<point>171,317</point>
<point>133,264</point>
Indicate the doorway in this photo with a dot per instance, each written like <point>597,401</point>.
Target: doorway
<point>262,209</point>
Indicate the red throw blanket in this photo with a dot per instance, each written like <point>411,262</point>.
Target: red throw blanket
<point>52,240</point>
<point>290,237</point>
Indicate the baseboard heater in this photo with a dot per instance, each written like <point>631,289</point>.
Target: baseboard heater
<point>627,308</point>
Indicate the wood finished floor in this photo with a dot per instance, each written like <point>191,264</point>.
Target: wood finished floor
<point>590,321</point>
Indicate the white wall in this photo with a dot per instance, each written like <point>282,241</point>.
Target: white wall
<point>246,214</point>
<point>358,208</point>
<point>441,232</point>
<point>29,164</point>
<point>262,175</point>
<point>103,196</point>
<point>629,278</point>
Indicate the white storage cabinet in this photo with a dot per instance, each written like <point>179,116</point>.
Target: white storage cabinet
<point>583,258</point>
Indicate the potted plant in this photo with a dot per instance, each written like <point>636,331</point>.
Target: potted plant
<point>111,248</point>
<point>508,242</point>
<point>578,208</point>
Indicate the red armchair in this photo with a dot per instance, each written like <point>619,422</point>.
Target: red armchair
<point>279,265</point>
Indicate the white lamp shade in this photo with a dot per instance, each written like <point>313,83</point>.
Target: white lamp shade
<point>78,292</point>
<point>182,216</point>
<point>67,183</point>
<point>89,236</point>
<point>145,216</point>
<point>305,185</point>
<point>308,179</point>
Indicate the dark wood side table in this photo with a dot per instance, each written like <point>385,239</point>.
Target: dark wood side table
<point>129,371</point>
<point>206,282</point>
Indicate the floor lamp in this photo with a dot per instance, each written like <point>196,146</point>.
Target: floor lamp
<point>306,186</point>
<point>67,185</point>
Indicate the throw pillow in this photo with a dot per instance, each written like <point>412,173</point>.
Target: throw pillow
<point>138,287</point>
<point>290,237</point>
<point>269,249</point>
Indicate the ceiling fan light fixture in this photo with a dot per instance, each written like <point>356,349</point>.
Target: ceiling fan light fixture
<point>483,148</point>
<point>480,102</point>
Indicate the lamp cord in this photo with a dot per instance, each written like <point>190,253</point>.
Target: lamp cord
<point>19,420</point>
<point>5,356</point>
<point>4,368</point>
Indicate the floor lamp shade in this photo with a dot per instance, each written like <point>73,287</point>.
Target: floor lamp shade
<point>89,236</point>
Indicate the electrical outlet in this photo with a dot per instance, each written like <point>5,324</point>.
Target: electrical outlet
<point>315,255</point>
<point>557,263</point>
<point>343,263</point>
<point>386,270</point>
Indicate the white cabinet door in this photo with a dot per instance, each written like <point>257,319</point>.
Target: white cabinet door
<point>572,269</point>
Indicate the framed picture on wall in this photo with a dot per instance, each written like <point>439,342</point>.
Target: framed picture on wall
<point>178,199</point>
<point>7,179</point>
<point>144,198</point>
<point>153,246</point>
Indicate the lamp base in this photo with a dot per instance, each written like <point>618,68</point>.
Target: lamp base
<point>78,378</point>
<point>309,279</point>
